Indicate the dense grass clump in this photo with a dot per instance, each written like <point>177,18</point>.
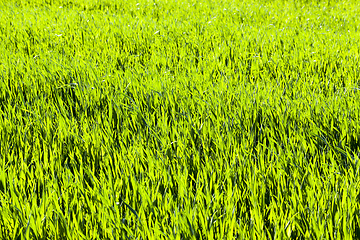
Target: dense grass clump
<point>179,119</point>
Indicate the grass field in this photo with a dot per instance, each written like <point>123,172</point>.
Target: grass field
<point>166,119</point>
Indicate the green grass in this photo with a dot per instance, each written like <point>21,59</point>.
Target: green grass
<point>179,119</point>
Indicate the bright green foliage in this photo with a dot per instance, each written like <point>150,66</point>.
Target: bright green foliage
<point>179,119</point>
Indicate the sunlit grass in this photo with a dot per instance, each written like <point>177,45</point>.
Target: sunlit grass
<point>179,119</point>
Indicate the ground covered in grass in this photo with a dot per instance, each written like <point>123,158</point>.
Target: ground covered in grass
<point>179,119</point>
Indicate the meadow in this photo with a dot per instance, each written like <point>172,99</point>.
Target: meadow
<point>167,119</point>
